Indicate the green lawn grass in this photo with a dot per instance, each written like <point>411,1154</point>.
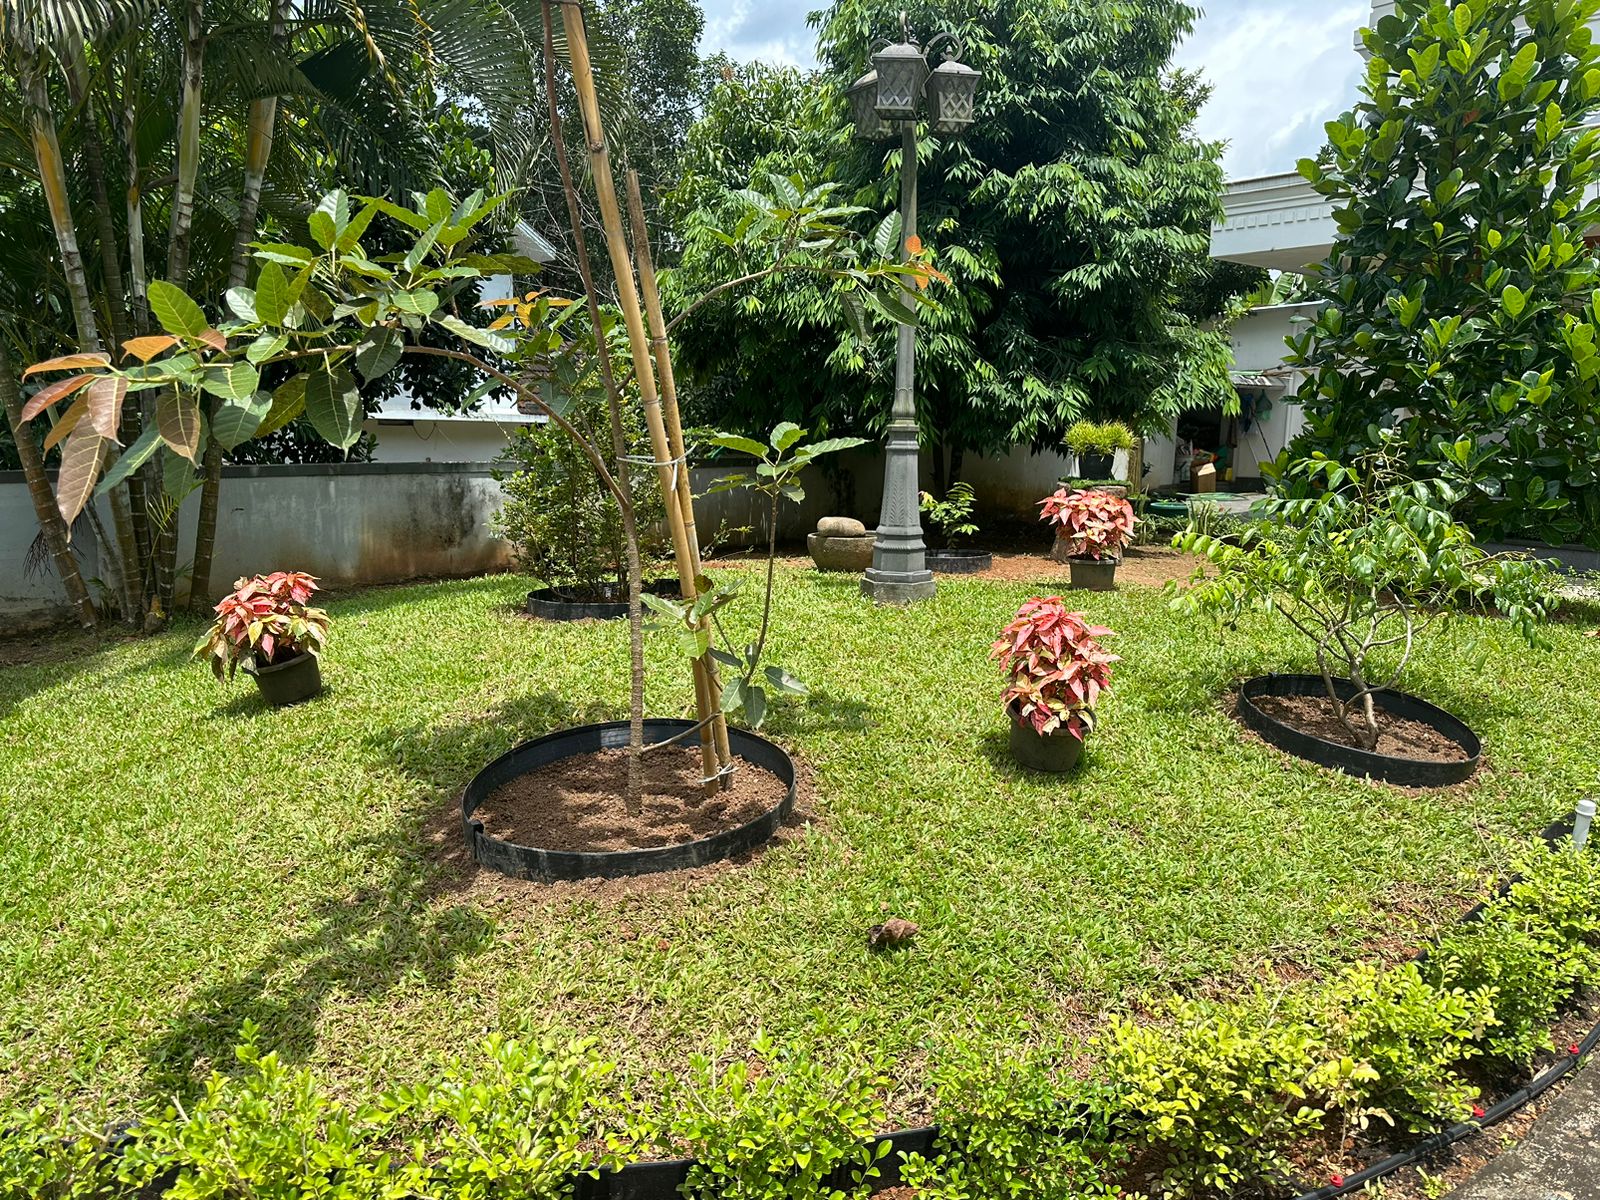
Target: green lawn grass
<point>177,859</point>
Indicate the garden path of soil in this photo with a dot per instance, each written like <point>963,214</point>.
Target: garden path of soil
<point>1143,566</point>
<point>1398,737</point>
<point>578,803</point>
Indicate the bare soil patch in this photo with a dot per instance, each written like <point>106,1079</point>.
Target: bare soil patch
<point>1398,737</point>
<point>579,803</point>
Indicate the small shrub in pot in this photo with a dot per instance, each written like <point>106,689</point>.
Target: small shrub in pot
<point>1056,670</point>
<point>267,626</point>
<point>1095,446</point>
<point>1093,528</point>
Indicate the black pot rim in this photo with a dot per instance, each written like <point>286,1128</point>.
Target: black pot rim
<point>283,666</point>
<point>1406,772</point>
<point>550,866</point>
<point>557,604</point>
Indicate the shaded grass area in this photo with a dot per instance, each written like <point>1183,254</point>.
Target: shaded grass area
<point>178,859</point>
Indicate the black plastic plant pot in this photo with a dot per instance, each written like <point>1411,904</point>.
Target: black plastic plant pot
<point>611,604</point>
<point>1050,753</point>
<point>550,866</point>
<point>959,562</point>
<point>1406,772</point>
<point>1093,574</point>
<point>292,682</point>
<point>1096,466</point>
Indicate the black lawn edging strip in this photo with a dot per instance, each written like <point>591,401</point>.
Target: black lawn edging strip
<point>1405,772</point>
<point>550,866</point>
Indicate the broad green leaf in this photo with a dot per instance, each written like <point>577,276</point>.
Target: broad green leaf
<point>289,256</point>
<point>236,422</point>
<point>379,354</point>
<point>351,235</point>
<point>415,256</point>
<point>786,435</point>
<point>265,346</point>
<point>288,402</point>
<point>334,406</point>
<point>1514,300</point>
<point>131,459</point>
<point>179,315</point>
<point>241,303</point>
<point>784,682</point>
<point>177,476</point>
<point>272,294</point>
<point>237,381</point>
<point>733,441</point>
<point>482,337</point>
<point>755,705</point>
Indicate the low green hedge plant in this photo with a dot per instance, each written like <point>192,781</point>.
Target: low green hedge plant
<point>1219,1089</point>
<point>1009,1130</point>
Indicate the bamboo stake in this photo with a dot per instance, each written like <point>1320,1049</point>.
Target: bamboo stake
<point>669,405</point>
<point>628,299</point>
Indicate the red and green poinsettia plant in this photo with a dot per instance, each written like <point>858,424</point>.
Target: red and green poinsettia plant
<point>264,622</point>
<point>1057,668</point>
<point>1096,524</point>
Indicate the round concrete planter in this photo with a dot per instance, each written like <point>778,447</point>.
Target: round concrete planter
<point>835,553</point>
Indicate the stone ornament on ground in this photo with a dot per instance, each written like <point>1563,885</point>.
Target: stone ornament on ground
<point>841,544</point>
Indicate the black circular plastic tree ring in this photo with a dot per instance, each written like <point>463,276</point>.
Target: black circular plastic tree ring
<point>959,562</point>
<point>560,604</point>
<point>1406,772</point>
<point>549,866</point>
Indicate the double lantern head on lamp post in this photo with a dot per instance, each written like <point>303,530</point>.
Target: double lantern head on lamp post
<point>900,90</point>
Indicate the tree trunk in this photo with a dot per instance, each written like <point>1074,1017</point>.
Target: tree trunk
<point>53,180</point>
<point>188,165</point>
<point>44,501</point>
<point>263,116</point>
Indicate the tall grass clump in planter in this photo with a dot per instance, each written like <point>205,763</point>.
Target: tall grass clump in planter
<point>1361,561</point>
<point>1093,528</point>
<point>267,626</point>
<point>1095,446</point>
<point>1056,673</point>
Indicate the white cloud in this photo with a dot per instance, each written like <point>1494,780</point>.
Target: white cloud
<point>1279,69</point>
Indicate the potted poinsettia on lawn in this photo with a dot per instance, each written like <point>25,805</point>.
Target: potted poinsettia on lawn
<point>1057,670</point>
<point>1093,528</point>
<point>267,626</point>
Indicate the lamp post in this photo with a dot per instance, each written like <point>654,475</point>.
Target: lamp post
<point>886,102</point>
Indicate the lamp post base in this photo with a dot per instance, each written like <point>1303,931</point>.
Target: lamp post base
<point>893,587</point>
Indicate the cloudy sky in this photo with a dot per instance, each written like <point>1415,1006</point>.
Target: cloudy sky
<point>1279,68</point>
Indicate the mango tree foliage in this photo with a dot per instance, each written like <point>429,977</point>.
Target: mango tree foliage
<point>341,318</point>
<point>1461,297</point>
<point>1072,217</point>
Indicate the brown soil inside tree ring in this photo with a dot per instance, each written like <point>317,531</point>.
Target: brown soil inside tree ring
<point>1421,745</point>
<point>553,809</point>
<point>579,804</point>
<point>1398,737</point>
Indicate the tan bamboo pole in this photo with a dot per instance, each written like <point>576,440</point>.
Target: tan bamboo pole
<point>644,369</point>
<point>674,421</point>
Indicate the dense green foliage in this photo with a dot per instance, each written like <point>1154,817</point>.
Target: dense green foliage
<point>1214,1092</point>
<point>1074,218</point>
<point>1462,304</point>
<point>562,522</point>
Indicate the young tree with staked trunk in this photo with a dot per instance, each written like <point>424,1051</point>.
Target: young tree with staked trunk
<point>1462,296</point>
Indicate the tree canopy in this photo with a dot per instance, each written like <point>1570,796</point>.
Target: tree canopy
<point>1074,218</point>
<point>1461,302</point>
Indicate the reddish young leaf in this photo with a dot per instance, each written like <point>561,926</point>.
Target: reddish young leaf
<point>146,348</point>
<point>105,404</point>
<point>68,422</point>
<point>81,460</point>
<point>58,390</point>
<point>178,419</point>
<point>214,339</point>
<point>69,362</point>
